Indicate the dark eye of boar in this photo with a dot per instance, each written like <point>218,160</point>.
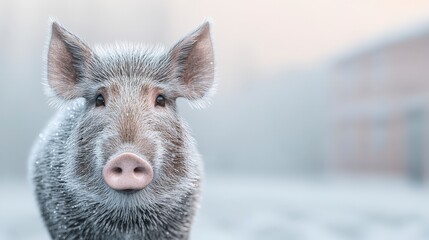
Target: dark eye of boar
<point>99,101</point>
<point>160,101</point>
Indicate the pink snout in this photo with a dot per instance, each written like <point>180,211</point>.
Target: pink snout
<point>127,172</point>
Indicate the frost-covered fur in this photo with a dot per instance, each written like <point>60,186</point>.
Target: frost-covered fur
<point>67,161</point>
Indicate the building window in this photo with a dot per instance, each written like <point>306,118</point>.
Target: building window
<point>379,70</point>
<point>379,131</point>
<point>349,79</point>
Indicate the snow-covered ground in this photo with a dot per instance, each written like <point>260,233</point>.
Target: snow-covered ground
<point>250,208</point>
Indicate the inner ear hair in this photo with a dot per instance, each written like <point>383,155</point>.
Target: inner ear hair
<point>193,57</point>
<point>68,57</point>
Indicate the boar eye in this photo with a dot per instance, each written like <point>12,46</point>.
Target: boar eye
<point>99,101</point>
<point>160,101</point>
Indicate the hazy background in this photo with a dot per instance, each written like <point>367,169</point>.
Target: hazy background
<point>318,129</point>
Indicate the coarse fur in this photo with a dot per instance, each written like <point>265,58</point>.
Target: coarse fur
<point>67,161</point>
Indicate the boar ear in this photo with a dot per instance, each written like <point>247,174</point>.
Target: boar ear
<point>67,60</point>
<point>193,64</point>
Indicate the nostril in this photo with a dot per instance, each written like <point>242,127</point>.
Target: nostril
<point>139,170</point>
<point>117,170</point>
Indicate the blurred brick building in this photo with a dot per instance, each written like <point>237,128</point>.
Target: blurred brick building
<point>379,96</point>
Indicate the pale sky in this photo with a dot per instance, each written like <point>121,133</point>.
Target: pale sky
<point>297,33</point>
<point>259,35</point>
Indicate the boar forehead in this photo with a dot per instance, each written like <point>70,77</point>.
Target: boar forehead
<point>131,63</point>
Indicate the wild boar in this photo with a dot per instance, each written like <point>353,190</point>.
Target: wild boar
<point>117,161</point>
